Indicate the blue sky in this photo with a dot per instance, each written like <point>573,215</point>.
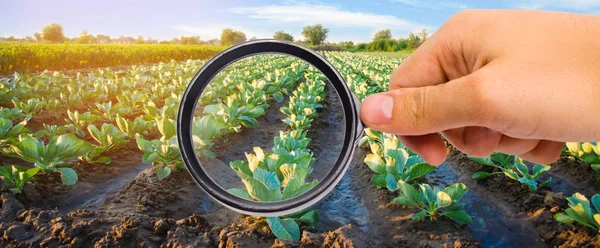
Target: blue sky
<point>346,19</point>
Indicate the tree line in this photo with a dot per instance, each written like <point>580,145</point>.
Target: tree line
<point>314,36</point>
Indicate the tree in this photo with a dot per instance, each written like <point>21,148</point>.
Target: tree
<point>38,37</point>
<point>231,37</point>
<point>140,40</point>
<point>214,42</point>
<point>53,33</point>
<point>424,34</point>
<point>414,41</point>
<point>191,40</point>
<point>86,38</point>
<point>281,35</point>
<point>315,34</point>
<point>103,39</point>
<point>385,34</point>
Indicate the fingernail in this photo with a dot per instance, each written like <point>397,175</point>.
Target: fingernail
<point>377,109</point>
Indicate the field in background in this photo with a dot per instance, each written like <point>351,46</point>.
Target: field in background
<point>403,54</point>
<point>30,57</point>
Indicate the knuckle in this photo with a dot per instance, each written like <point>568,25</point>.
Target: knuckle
<point>466,14</point>
<point>482,97</point>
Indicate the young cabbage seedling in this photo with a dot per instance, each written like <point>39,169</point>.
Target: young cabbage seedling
<point>514,168</point>
<point>53,156</point>
<point>51,131</point>
<point>17,176</point>
<point>137,126</point>
<point>30,107</point>
<point>581,211</point>
<point>81,121</point>
<point>11,113</point>
<point>392,162</point>
<point>108,138</point>
<point>10,133</point>
<point>432,201</point>
<point>162,153</point>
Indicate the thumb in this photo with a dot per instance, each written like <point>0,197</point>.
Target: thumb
<point>425,110</point>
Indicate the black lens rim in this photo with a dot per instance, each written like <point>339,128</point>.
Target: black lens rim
<point>212,68</point>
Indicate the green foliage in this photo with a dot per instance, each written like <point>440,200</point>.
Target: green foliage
<point>162,153</point>
<point>23,57</point>
<point>431,201</point>
<point>392,162</point>
<point>10,133</point>
<point>80,121</point>
<point>385,34</point>
<point>387,45</point>
<point>51,131</point>
<point>282,35</point>
<point>86,38</point>
<point>137,126</point>
<point>315,34</point>
<point>53,156</point>
<point>108,138</point>
<point>282,173</point>
<point>514,168</point>
<point>17,176</point>
<point>30,107</point>
<point>108,111</point>
<point>53,33</point>
<point>203,131</point>
<point>231,37</point>
<point>11,113</point>
<point>581,211</point>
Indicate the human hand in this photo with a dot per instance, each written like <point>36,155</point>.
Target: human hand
<point>512,81</point>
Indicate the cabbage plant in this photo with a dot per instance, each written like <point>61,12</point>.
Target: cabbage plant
<point>433,202</point>
<point>514,168</point>
<point>391,161</point>
<point>581,211</point>
<point>17,176</point>
<point>30,107</point>
<point>137,126</point>
<point>12,113</point>
<point>53,156</point>
<point>9,132</point>
<point>81,121</point>
<point>108,138</point>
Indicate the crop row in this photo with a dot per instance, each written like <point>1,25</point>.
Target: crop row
<point>36,57</point>
<point>282,173</point>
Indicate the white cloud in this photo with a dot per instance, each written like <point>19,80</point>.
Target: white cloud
<point>213,31</point>
<point>326,15</point>
<point>433,4</point>
<point>589,6</point>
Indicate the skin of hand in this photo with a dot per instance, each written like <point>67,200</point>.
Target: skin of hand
<point>519,82</point>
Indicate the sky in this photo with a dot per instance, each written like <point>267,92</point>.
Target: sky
<point>163,20</point>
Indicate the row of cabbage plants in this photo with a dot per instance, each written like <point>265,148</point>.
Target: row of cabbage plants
<point>283,172</point>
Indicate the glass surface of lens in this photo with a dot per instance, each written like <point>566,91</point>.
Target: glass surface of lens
<point>268,128</point>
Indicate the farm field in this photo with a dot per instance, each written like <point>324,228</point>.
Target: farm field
<point>91,158</point>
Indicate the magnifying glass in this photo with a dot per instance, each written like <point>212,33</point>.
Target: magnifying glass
<point>268,127</point>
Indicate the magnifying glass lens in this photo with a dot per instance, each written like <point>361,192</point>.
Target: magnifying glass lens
<point>268,128</point>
